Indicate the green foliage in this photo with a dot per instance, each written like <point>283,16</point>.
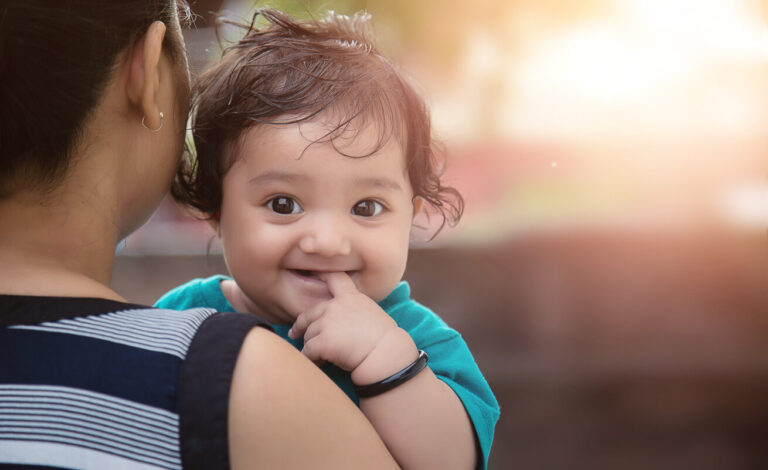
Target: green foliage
<point>313,8</point>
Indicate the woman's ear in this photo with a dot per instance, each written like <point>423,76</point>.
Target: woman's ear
<point>144,76</point>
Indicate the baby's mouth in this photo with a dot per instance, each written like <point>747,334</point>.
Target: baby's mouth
<point>314,274</point>
<point>305,273</point>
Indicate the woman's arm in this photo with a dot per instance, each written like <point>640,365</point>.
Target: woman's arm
<point>285,413</point>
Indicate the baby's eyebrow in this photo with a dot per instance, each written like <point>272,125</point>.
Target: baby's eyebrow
<point>384,183</point>
<point>281,176</point>
<point>272,176</point>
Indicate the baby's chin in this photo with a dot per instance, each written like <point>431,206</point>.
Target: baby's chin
<point>302,305</point>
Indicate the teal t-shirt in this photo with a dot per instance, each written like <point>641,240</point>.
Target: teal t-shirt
<point>449,356</point>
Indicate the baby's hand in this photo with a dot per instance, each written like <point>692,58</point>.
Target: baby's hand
<point>353,332</point>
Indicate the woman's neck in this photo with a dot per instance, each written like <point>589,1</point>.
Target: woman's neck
<point>56,244</point>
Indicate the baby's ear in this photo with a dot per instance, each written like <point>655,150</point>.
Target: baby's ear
<point>418,204</point>
<point>214,223</point>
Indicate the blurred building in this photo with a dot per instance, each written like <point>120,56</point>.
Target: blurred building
<point>611,270</point>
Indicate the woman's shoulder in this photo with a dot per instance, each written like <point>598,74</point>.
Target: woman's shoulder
<point>105,363</point>
<point>285,412</point>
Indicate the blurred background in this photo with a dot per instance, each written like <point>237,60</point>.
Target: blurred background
<point>611,271</point>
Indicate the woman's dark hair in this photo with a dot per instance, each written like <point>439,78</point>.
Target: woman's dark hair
<point>56,57</point>
<point>293,71</point>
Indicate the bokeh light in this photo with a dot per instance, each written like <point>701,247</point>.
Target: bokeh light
<point>611,271</point>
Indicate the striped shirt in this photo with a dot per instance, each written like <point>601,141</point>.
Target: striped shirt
<point>97,384</point>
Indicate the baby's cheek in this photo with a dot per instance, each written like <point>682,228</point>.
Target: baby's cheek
<point>383,284</point>
<point>385,265</point>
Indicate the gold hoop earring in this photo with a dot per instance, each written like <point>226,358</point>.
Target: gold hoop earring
<point>158,127</point>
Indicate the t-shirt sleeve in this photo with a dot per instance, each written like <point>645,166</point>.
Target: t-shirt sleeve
<point>206,377</point>
<point>452,362</point>
<point>184,297</point>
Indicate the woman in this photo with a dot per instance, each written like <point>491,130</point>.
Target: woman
<point>93,104</point>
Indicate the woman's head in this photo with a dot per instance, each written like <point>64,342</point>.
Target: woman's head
<point>56,58</point>
<point>296,71</point>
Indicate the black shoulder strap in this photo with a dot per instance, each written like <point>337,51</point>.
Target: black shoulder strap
<point>206,377</point>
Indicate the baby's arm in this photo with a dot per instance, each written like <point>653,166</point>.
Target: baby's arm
<point>422,421</point>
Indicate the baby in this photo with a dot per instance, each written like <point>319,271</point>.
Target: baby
<point>313,156</point>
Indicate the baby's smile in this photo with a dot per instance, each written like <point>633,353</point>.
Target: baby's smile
<point>306,273</point>
<point>315,274</point>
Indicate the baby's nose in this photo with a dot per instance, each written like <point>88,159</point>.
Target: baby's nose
<point>326,237</point>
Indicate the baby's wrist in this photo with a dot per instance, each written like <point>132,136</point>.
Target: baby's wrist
<point>391,354</point>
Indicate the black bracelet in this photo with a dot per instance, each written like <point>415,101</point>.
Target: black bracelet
<point>377,388</point>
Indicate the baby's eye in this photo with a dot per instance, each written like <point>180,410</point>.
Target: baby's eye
<point>284,205</point>
<point>367,208</point>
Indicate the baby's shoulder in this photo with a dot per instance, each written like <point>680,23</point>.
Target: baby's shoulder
<point>191,294</point>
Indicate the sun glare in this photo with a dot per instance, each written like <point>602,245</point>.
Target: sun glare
<point>652,67</point>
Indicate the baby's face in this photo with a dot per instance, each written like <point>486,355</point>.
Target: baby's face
<point>290,211</point>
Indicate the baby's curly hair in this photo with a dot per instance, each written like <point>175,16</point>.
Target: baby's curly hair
<point>293,71</point>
